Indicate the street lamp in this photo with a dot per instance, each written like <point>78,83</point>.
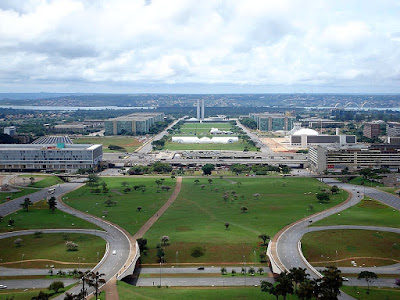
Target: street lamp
<point>245,271</point>
<point>23,260</point>
<point>160,270</point>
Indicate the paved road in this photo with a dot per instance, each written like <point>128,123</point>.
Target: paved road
<point>227,280</point>
<point>34,283</point>
<point>263,148</point>
<point>14,205</point>
<point>29,272</point>
<point>288,242</point>
<point>192,270</point>
<point>148,147</point>
<point>118,241</point>
<point>391,269</point>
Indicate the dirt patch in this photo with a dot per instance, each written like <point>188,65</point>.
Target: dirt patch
<point>371,204</point>
<point>133,144</point>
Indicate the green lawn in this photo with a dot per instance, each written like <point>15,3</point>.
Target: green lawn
<point>14,195</point>
<point>201,129</point>
<point>391,190</point>
<point>40,217</point>
<point>127,291</point>
<point>238,146</point>
<point>124,213</point>
<point>51,246</point>
<point>46,181</point>
<point>363,181</point>
<point>367,212</point>
<point>198,216</point>
<point>360,292</point>
<point>359,245</point>
<point>23,294</point>
<point>129,143</point>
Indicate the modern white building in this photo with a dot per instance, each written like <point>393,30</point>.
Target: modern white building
<point>11,130</point>
<point>49,157</point>
<point>305,137</point>
<point>205,140</point>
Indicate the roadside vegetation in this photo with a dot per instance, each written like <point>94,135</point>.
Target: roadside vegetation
<point>46,181</point>
<point>339,247</point>
<point>250,206</point>
<point>368,212</point>
<point>40,216</point>
<point>128,201</point>
<point>117,143</point>
<point>36,251</point>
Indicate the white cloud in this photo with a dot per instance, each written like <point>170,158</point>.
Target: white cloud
<point>284,44</point>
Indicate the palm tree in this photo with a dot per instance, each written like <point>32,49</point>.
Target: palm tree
<point>27,202</point>
<point>256,196</point>
<point>306,289</point>
<point>196,181</point>
<point>260,271</point>
<point>226,225</point>
<point>223,270</point>
<point>94,279</point>
<point>298,275</point>
<point>209,180</point>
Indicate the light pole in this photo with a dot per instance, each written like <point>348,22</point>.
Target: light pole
<point>160,272</point>
<point>23,260</point>
<point>177,260</point>
<point>245,271</point>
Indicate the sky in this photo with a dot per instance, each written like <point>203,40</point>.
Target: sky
<point>207,46</point>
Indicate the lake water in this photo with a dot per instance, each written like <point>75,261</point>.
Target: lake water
<point>72,108</point>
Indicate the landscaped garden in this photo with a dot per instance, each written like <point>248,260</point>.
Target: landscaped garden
<point>221,220</point>
<point>127,143</point>
<point>368,212</point>
<point>128,202</point>
<point>39,216</point>
<point>201,129</point>
<point>42,250</point>
<point>339,247</point>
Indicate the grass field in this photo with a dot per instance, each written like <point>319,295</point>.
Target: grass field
<point>363,181</point>
<point>14,195</point>
<point>46,181</point>
<point>362,246</point>
<point>129,143</point>
<point>360,292</point>
<point>367,212</point>
<point>198,216</point>
<point>202,129</point>
<point>124,213</point>
<point>51,246</point>
<point>238,146</point>
<point>40,217</point>
<point>127,292</point>
<point>23,294</point>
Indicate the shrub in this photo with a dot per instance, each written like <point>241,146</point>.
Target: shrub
<point>197,251</point>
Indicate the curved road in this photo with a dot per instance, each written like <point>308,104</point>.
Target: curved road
<point>119,241</point>
<point>43,283</point>
<point>285,247</point>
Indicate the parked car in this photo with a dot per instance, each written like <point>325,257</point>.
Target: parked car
<point>2,287</point>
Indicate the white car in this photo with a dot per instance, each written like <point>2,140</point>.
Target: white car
<point>114,252</point>
<point>2,287</point>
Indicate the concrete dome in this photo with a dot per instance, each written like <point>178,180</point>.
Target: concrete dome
<point>306,131</point>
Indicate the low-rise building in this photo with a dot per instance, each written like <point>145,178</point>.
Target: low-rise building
<point>354,158</point>
<point>49,157</point>
<point>10,130</point>
<point>393,129</point>
<point>133,124</point>
<point>273,122</point>
<point>306,137</point>
<point>71,128</point>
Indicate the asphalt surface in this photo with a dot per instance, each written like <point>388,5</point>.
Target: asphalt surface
<point>254,137</point>
<point>194,270</point>
<point>288,242</point>
<point>118,241</point>
<point>392,269</point>
<point>227,280</point>
<point>34,283</point>
<point>29,272</point>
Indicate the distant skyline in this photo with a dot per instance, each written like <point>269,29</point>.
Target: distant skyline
<point>208,46</point>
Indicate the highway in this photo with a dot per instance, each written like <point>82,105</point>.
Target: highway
<point>263,148</point>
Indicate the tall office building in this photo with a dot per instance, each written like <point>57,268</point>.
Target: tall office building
<point>200,109</point>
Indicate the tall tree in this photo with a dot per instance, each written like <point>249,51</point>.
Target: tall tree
<point>95,280</point>
<point>269,288</point>
<point>331,283</point>
<point>298,275</point>
<point>52,204</point>
<point>208,168</point>
<point>368,276</point>
<point>284,284</point>
<point>27,202</point>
